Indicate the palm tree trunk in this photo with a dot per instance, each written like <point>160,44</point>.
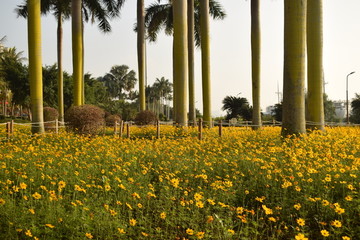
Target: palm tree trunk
<point>294,67</point>
<point>141,51</point>
<point>180,58</point>
<point>191,25</point>
<point>315,64</point>
<point>256,62</point>
<point>35,65</point>
<point>77,50</point>
<point>205,59</point>
<point>60,69</point>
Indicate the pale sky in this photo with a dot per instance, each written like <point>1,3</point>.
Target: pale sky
<point>230,48</point>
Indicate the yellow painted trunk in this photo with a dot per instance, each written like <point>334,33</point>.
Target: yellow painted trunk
<point>256,62</point>
<point>60,70</point>
<point>141,52</point>
<point>35,65</point>
<point>180,58</point>
<point>191,37</point>
<point>294,67</point>
<point>205,60</point>
<point>315,64</point>
<point>77,50</point>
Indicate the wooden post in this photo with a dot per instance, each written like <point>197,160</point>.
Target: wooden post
<point>12,127</point>
<point>121,128</point>
<point>274,122</point>
<point>157,129</point>
<point>8,130</point>
<point>128,130</point>
<point>200,128</point>
<point>56,126</point>
<point>220,128</point>
<point>115,127</point>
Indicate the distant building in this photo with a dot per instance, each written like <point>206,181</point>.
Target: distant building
<point>340,108</point>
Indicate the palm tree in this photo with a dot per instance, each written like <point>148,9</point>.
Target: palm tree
<point>164,89</point>
<point>35,65</point>
<point>256,62</point>
<point>315,64</point>
<point>205,60</point>
<point>180,60</point>
<point>294,67</point>
<point>119,81</point>
<point>141,51</point>
<point>160,16</point>
<point>100,10</point>
<point>236,107</point>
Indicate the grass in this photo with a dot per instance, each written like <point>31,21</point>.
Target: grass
<point>245,185</point>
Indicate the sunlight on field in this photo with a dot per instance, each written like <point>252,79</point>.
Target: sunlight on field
<point>245,185</point>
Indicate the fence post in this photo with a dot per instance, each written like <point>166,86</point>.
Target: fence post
<point>220,128</point>
<point>157,129</point>
<point>8,130</point>
<point>274,122</point>
<point>115,127</point>
<point>128,130</point>
<point>200,128</point>
<point>12,127</point>
<point>56,126</point>
<point>121,128</point>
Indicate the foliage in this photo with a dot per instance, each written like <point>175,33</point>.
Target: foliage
<point>277,112</point>
<point>329,110</point>
<point>355,109</point>
<point>50,115</point>
<point>112,119</point>
<point>237,107</point>
<point>145,117</point>
<point>249,185</point>
<point>120,81</point>
<point>85,119</point>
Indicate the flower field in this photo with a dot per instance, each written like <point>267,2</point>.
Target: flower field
<point>245,185</point>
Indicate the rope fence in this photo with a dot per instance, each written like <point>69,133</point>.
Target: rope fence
<point>123,129</point>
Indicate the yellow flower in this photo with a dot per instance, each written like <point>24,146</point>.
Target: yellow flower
<point>300,221</point>
<point>297,206</point>
<point>348,198</point>
<point>32,211</point>
<point>23,185</point>
<point>199,204</point>
<point>144,234</point>
<point>28,233</point>
<point>107,187</point>
<point>325,202</point>
<point>200,235</point>
<point>239,210</point>
<point>210,219</point>
<point>49,225</point>
<point>211,201</point>
<point>2,201</point>
<point>121,231</point>
<point>189,231</point>
<point>163,215</point>
<point>272,219</point>
<point>232,232</point>
<point>89,236</point>
<point>267,210</point>
<point>345,238</point>
<point>198,196</point>
<point>132,222</point>
<point>336,223</point>
<point>36,195</point>
<point>324,233</point>
<point>301,236</point>
<point>339,210</point>
<point>175,182</point>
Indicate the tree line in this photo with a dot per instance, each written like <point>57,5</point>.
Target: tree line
<point>189,23</point>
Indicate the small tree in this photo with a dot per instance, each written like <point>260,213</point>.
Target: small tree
<point>355,109</point>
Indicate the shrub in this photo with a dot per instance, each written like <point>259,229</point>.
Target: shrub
<point>50,114</point>
<point>111,119</point>
<point>145,117</point>
<point>85,119</point>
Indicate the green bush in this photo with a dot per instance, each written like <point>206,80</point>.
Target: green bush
<point>50,115</point>
<point>85,119</point>
<point>145,117</point>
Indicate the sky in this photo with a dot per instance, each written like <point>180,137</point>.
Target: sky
<point>230,48</point>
